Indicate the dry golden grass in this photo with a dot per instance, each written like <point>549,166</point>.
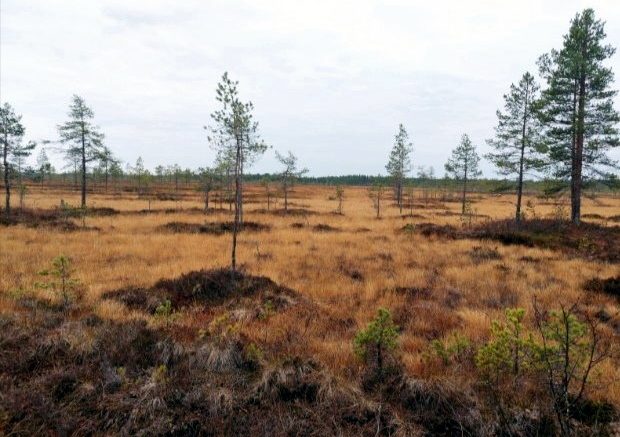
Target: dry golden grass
<point>348,273</point>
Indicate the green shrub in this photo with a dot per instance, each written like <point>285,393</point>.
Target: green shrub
<point>160,374</point>
<point>566,352</point>
<point>379,337</point>
<point>451,349</point>
<point>253,355</point>
<point>60,282</point>
<point>222,329</point>
<point>165,312</point>
<point>508,350</point>
<point>267,310</point>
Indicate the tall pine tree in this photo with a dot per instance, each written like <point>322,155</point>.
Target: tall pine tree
<point>578,106</point>
<point>84,140</point>
<point>11,134</point>
<point>463,165</point>
<point>399,164</point>
<point>517,140</point>
<point>234,133</point>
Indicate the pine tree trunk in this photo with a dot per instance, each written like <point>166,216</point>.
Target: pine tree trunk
<point>576,173</point>
<point>464,191</point>
<point>237,194</point>
<point>106,177</point>
<point>520,187</point>
<point>400,196</point>
<point>83,169</point>
<point>520,181</point>
<point>240,197</point>
<point>285,197</point>
<point>7,187</point>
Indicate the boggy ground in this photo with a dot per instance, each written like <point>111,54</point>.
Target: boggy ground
<point>273,354</point>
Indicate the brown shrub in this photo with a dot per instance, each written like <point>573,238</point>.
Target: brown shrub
<point>322,227</point>
<point>587,240</point>
<point>205,287</point>
<point>609,286</point>
<point>480,254</point>
<point>215,228</point>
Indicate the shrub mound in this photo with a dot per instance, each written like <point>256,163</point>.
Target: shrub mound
<point>55,218</point>
<point>588,240</point>
<point>322,227</point>
<point>609,286</point>
<point>214,228</point>
<point>205,287</point>
<point>282,212</point>
<point>480,254</point>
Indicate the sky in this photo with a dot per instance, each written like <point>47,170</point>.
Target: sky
<point>330,80</point>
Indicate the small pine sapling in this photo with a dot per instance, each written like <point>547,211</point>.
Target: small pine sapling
<point>375,192</point>
<point>569,350</point>
<point>339,198</point>
<point>379,338</point>
<point>509,351</point>
<point>165,313</point>
<point>60,283</point>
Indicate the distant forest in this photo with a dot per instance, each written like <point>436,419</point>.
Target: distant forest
<point>176,178</point>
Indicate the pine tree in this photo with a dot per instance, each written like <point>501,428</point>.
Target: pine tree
<point>20,153</point>
<point>517,141</point>
<point>84,139</point>
<point>208,178</point>
<point>44,167</point>
<point>399,163</point>
<point>224,167</point>
<point>174,171</point>
<point>116,172</point>
<point>463,165</point>
<point>139,171</point>
<point>160,170</point>
<point>289,173</point>
<point>266,184</point>
<point>578,106</point>
<point>235,133</point>
<point>11,134</point>
<point>106,161</point>
<point>375,192</point>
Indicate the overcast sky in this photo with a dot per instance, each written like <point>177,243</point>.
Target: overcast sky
<point>330,80</point>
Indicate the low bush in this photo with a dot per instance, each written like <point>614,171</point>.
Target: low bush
<point>375,343</point>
